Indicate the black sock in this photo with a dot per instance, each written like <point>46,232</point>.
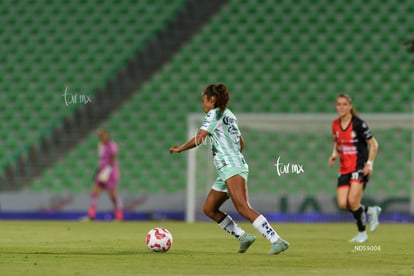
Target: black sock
<point>359,216</point>
<point>365,208</point>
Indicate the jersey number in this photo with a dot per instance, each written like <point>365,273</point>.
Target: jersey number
<point>355,175</point>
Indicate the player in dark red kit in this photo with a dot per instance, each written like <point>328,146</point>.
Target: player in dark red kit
<point>357,149</point>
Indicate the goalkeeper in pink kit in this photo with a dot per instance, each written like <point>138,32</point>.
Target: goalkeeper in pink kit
<point>107,176</point>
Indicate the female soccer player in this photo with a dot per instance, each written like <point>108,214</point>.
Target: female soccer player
<point>221,127</point>
<point>107,176</point>
<point>357,149</point>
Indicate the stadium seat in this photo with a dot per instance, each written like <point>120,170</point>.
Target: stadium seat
<point>276,57</point>
<point>45,52</point>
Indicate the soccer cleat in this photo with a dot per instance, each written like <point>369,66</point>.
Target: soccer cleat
<point>374,213</point>
<point>360,237</point>
<point>279,246</point>
<point>245,241</point>
<point>119,215</point>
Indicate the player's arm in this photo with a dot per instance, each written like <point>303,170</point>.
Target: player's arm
<point>333,156</point>
<point>373,149</point>
<point>241,143</point>
<point>192,143</point>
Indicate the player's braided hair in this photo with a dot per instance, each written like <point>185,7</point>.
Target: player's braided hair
<point>220,92</point>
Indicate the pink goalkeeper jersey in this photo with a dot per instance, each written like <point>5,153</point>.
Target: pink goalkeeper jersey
<point>106,151</point>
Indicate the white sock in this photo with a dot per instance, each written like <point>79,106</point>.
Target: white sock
<point>231,227</point>
<point>262,225</point>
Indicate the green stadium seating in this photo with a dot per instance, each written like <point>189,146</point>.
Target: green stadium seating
<point>276,56</point>
<point>48,46</point>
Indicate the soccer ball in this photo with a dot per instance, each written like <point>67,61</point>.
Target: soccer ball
<point>159,239</point>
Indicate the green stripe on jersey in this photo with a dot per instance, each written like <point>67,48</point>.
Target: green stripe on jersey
<point>224,138</point>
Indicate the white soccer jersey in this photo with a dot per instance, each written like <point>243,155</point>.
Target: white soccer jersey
<point>224,138</point>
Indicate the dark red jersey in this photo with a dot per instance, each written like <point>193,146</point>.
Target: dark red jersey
<point>351,144</point>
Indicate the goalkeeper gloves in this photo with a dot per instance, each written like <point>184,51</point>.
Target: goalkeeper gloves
<point>103,176</point>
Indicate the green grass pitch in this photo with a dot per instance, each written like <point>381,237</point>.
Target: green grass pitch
<point>113,248</point>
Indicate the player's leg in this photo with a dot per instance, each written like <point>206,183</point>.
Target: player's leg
<point>212,206</point>
<point>94,201</point>
<point>356,190</point>
<point>342,197</point>
<point>113,195</point>
<point>372,212</point>
<point>342,191</point>
<point>215,198</point>
<point>213,203</point>
<point>237,187</point>
<point>112,185</point>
